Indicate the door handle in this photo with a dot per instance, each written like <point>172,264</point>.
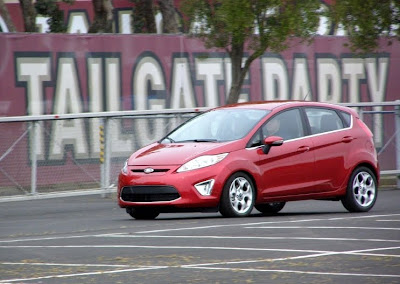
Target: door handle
<point>347,139</point>
<point>303,149</point>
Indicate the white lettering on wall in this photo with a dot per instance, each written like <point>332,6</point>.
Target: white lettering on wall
<point>148,80</point>
<point>336,80</point>
<point>78,23</point>
<point>67,99</point>
<point>125,21</point>
<point>95,92</point>
<point>182,93</point>
<point>377,70</point>
<point>209,71</point>
<point>329,80</point>
<point>122,144</point>
<point>33,72</point>
<point>275,79</point>
<point>353,71</point>
<point>301,85</point>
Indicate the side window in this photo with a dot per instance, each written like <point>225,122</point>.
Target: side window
<point>287,124</point>
<point>323,120</point>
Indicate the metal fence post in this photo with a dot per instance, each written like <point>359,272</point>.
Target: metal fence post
<point>397,147</point>
<point>107,155</point>
<point>34,146</point>
<point>101,157</point>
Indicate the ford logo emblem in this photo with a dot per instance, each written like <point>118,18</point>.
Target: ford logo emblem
<point>148,170</point>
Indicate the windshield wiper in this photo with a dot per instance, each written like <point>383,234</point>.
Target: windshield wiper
<point>198,140</point>
<point>169,139</point>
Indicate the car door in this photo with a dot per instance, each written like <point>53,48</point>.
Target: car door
<point>287,169</point>
<point>332,139</point>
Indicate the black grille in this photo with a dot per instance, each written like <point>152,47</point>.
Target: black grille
<point>150,193</point>
<point>154,170</point>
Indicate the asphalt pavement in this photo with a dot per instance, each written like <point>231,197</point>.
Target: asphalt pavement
<point>89,239</point>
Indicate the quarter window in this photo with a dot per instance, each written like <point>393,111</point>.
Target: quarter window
<point>347,118</point>
<point>323,120</point>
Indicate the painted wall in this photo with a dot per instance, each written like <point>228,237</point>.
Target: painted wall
<point>62,73</point>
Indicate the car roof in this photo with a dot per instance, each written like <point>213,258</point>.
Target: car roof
<point>271,105</point>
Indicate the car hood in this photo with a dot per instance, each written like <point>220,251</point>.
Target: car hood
<point>176,153</point>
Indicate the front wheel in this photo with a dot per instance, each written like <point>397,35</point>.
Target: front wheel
<point>142,213</point>
<point>361,191</point>
<point>238,196</point>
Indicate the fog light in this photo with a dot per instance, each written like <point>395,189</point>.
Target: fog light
<point>205,187</point>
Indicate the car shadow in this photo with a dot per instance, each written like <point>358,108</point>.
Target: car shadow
<point>252,216</point>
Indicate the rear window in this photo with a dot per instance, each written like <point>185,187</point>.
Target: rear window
<point>325,120</point>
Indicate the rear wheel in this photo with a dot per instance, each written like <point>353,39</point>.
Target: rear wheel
<point>238,196</point>
<point>270,208</point>
<point>361,191</point>
<point>142,213</point>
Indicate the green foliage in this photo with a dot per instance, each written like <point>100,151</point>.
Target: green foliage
<point>257,24</point>
<point>367,20</point>
<point>263,23</point>
<point>143,17</point>
<point>50,9</point>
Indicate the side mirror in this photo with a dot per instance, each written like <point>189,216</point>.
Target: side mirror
<point>270,142</point>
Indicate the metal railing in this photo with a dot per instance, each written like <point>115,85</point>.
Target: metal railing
<point>82,153</point>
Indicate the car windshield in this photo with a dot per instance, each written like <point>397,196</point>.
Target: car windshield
<point>217,126</point>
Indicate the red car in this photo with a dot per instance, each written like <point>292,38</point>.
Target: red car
<point>261,155</point>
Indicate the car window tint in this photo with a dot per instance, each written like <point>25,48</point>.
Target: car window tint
<point>256,140</point>
<point>218,126</point>
<point>323,120</point>
<point>347,118</point>
<point>287,124</point>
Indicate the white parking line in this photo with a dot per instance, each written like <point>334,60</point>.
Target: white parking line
<point>323,227</point>
<point>300,272</point>
<point>249,238</point>
<point>211,266</point>
<point>84,274</point>
<point>162,247</point>
<point>266,223</point>
<point>52,238</point>
<point>65,264</point>
<point>310,254</point>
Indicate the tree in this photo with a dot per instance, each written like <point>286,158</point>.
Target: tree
<point>29,14</point>
<point>50,9</point>
<point>143,17</point>
<point>169,16</point>
<point>6,16</point>
<point>237,25</point>
<point>367,20</point>
<point>103,17</point>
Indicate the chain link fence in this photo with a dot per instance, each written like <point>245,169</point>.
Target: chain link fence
<point>75,152</point>
<point>83,153</point>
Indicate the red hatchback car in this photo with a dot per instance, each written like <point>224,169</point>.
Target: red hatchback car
<point>261,155</point>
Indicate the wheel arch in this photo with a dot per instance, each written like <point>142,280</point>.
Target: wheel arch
<point>253,180</point>
<point>370,167</point>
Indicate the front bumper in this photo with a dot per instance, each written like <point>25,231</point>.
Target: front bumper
<point>165,188</point>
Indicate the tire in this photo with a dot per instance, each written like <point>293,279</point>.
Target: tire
<point>270,208</point>
<point>361,191</point>
<point>238,196</point>
<point>142,213</point>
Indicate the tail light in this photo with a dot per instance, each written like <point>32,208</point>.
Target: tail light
<point>365,127</point>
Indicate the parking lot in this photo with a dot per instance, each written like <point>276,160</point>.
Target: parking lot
<point>89,239</point>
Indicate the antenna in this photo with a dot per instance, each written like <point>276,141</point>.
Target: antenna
<point>309,91</point>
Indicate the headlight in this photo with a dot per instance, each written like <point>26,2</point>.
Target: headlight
<point>201,162</point>
<point>125,168</point>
